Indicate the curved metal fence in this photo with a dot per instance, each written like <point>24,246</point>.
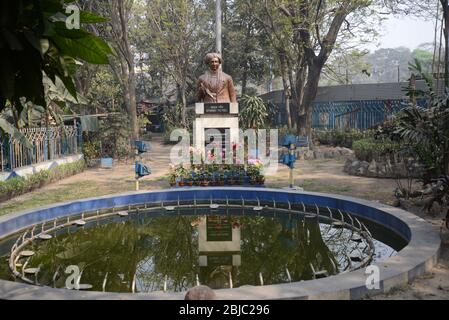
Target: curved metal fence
<point>47,144</point>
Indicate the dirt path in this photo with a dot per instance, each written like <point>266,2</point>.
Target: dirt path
<point>319,175</point>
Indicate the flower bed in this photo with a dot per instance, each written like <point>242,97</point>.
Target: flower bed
<point>212,175</point>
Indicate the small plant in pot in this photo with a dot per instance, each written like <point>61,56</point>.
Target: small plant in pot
<point>181,174</point>
<point>221,179</point>
<point>172,181</point>
<point>205,180</point>
<point>172,177</point>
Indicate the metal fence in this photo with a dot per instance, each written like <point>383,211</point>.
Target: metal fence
<point>359,115</point>
<point>47,144</point>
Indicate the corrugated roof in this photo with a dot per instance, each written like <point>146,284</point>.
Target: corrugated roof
<point>356,92</point>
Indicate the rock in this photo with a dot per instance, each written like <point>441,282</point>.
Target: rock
<point>346,152</point>
<point>363,169</point>
<point>328,155</point>
<point>396,203</point>
<point>398,170</point>
<point>309,155</point>
<point>319,155</point>
<point>437,209</point>
<point>372,169</point>
<point>388,168</point>
<point>353,169</point>
<point>347,165</point>
<point>381,170</point>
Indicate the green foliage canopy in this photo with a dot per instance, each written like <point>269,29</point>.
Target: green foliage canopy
<point>35,41</point>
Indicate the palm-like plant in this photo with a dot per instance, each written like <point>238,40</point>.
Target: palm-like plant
<point>427,129</point>
<point>254,112</point>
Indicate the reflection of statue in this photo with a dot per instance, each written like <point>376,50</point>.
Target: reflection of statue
<point>215,85</point>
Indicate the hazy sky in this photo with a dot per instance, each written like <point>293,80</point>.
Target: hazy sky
<point>407,32</point>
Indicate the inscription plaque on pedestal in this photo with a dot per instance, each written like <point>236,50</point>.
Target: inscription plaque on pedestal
<point>217,108</point>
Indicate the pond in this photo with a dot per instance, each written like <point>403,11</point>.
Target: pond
<point>159,250</point>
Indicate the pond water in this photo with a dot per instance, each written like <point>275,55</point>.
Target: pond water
<point>161,251</point>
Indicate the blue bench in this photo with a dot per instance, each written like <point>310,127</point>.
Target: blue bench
<point>298,141</point>
<point>302,142</point>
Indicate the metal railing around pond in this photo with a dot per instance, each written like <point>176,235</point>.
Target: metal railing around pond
<point>359,245</point>
<point>46,144</point>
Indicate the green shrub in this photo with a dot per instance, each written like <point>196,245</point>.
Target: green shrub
<point>14,186</point>
<point>17,186</point>
<point>91,149</point>
<point>253,113</point>
<point>341,137</point>
<point>371,149</point>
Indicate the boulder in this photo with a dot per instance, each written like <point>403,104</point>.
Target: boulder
<point>399,169</point>
<point>372,169</point>
<point>319,155</point>
<point>309,155</point>
<point>363,169</point>
<point>348,165</point>
<point>382,170</point>
<point>328,155</point>
<point>346,152</point>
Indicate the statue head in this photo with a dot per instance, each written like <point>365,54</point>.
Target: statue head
<point>213,60</point>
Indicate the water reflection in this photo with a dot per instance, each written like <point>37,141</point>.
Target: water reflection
<point>151,252</point>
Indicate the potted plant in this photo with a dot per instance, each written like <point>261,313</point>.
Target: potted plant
<point>253,173</point>
<point>181,174</point>
<point>172,179</point>
<point>172,176</point>
<point>197,180</point>
<point>241,179</point>
<point>205,180</point>
<point>221,179</point>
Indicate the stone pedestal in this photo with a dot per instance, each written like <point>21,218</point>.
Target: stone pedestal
<point>220,116</point>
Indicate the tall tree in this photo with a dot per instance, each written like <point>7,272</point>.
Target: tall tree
<point>244,51</point>
<point>120,14</point>
<point>316,25</point>
<point>179,32</point>
<point>279,35</point>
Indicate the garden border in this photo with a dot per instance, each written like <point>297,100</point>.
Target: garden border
<point>418,257</point>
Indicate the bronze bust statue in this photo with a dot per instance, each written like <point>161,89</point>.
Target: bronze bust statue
<point>215,85</point>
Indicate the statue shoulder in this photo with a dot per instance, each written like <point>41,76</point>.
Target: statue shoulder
<point>226,76</point>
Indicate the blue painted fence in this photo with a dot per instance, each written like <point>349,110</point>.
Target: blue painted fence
<point>361,115</point>
<point>47,144</point>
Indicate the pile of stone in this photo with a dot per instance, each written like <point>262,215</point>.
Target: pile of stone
<point>383,169</point>
<point>325,153</point>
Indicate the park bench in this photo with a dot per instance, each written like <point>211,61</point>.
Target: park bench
<point>300,142</point>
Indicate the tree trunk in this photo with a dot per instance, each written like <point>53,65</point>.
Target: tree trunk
<point>133,106</point>
<point>445,5</point>
<point>306,107</point>
<point>183,100</point>
<point>287,93</point>
<point>127,62</point>
<point>298,93</point>
<point>244,80</point>
<point>246,51</point>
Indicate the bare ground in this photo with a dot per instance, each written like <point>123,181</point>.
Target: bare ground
<point>318,175</point>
